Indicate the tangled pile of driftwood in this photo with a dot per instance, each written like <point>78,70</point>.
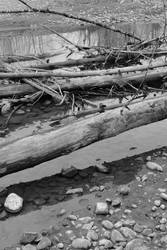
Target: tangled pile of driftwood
<point>103,73</point>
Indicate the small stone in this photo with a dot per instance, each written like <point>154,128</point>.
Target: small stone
<point>85,220</point>
<point>13,203</point>
<point>81,243</point>
<point>157,203</point>
<point>107,234</point>
<point>60,245</point>
<point>101,168</point>
<point>128,233</point>
<point>124,189</point>
<point>92,235</point>
<point>69,172</point>
<point>20,112</point>
<point>106,243</point>
<point>136,244</point>
<point>147,231</point>
<point>28,237</point>
<point>101,208</point>
<point>72,217</point>
<point>138,228</point>
<point>148,158</point>
<point>163,240</point>
<point>111,211</point>
<point>3,215</point>
<point>116,202</point>
<point>154,208</point>
<point>44,243</point>
<point>154,166</point>
<point>162,228</point>
<point>129,223</point>
<point>61,212</point>
<point>116,236</point>
<point>107,224</point>
<point>163,196</point>
<point>118,224</point>
<point>127,211</point>
<point>144,178</point>
<point>162,190</point>
<point>163,221</point>
<point>101,188</point>
<point>162,206</point>
<point>88,226</point>
<point>94,189</point>
<point>28,247</point>
<point>75,191</point>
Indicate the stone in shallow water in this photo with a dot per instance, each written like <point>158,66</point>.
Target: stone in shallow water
<point>154,166</point>
<point>163,196</point>
<point>136,244</point>
<point>81,243</point>
<point>92,235</point>
<point>101,208</point>
<point>13,203</point>
<point>128,233</point>
<point>69,172</point>
<point>116,202</point>
<point>44,243</point>
<point>124,189</point>
<point>28,237</point>
<point>75,191</point>
<point>106,243</point>
<point>28,247</point>
<point>116,236</point>
<point>107,224</point>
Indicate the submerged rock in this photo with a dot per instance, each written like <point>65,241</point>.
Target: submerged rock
<point>116,236</point>
<point>124,189</point>
<point>44,243</point>
<point>107,224</point>
<point>154,166</point>
<point>136,244</point>
<point>81,243</point>
<point>28,237</point>
<point>75,191</point>
<point>13,203</point>
<point>69,172</point>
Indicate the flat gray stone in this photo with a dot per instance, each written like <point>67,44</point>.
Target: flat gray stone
<point>116,236</point>
<point>81,243</point>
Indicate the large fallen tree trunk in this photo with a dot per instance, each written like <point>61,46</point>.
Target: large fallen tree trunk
<point>35,149</point>
<point>83,83</point>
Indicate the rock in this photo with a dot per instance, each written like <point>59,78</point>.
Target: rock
<point>13,203</point>
<point>116,202</point>
<point>138,228</point>
<point>116,236</point>
<point>92,235</point>
<point>5,107</point>
<point>154,166</point>
<point>128,233</point>
<point>163,240</point>
<point>81,243</point>
<point>61,212</point>
<point>147,231</point>
<point>101,208</point>
<point>69,172</point>
<point>162,206</point>
<point>144,178</point>
<point>107,224</point>
<point>157,203</point>
<point>72,217</point>
<point>60,245</point>
<point>136,244</point>
<point>88,226</point>
<point>129,223</point>
<point>28,247</point>
<point>20,112</point>
<point>148,158</point>
<point>163,221</point>
<point>162,228</point>
<point>44,243</point>
<point>3,215</point>
<point>118,224</point>
<point>85,220</point>
<point>154,208</point>
<point>106,243</point>
<point>28,237</point>
<point>101,168</point>
<point>124,189</point>
<point>163,196</point>
<point>107,234</point>
<point>94,189</point>
<point>75,191</point>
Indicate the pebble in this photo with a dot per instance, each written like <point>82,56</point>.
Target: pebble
<point>154,166</point>
<point>72,217</point>
<point>85,220</point>
<point>157,203</point>
<point>118,224</point>
<point>3,215</point>
<point>81,243</point>
<point>13,203</point>
<point>163,221</point>
<point>101,168</point>
<point>116,202</point>
<point>129,222</point>
<point>20,112</point>
<point>128,233</point>
<point>94,189</point>
<point>138,228</point>
<point>124,189</point>
<point>148,158</point>
<point>44,243</point>
<point>116,236</point>
<point>101,208</point>
<point>92,235</point>
<point>106,243</point>
<point>163,239</point>
<point>69,172</point>
<point>60,245</point>
<point>28,247</point>
<point>147,231</point>
<point>61,212</point>
<point>88,226</point>
<point>163,196</point>
<point>154,208</point>
<point>107,224</point>
<point>162,206</point>
<point>162,227</point>
<point>28,237</point>
<point>136,244</point>
<point>75,191</point>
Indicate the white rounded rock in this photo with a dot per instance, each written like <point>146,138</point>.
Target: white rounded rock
<point>13,203</point>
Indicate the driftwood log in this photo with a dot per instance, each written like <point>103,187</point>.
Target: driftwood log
<point>82,83</point>
<point>35,149</point>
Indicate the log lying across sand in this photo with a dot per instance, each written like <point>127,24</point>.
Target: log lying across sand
<point>84,83</point>
<point>35,149</point>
